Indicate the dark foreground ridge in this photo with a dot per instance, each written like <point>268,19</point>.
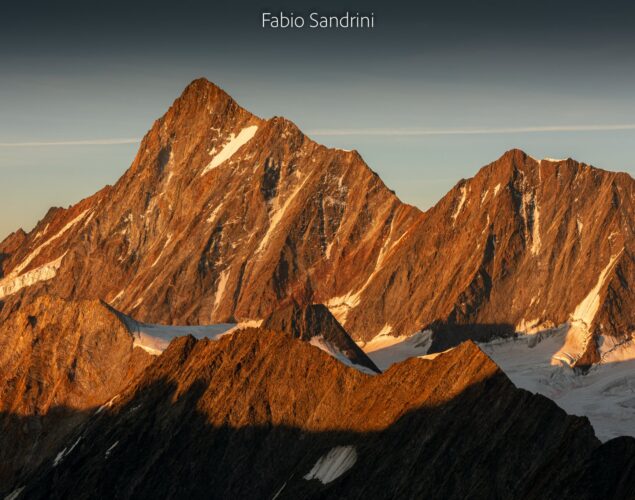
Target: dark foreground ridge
<point>262,415</point>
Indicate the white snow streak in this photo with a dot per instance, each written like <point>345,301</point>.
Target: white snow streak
<point>107,404</point>
<point>18,269</point>
<point>484,196</point>
<point>588,308</point>
<point>14,494</point>
<point>62,454</point>
<point>11,284</point>
<point>156,261</point>
<point>461,202</point>
<point>229,149</point>
<point>332,465</point>
<point>220,289</point>
<point>214,214</point>
<point>536,242</point>
<point>109,450</point>
<point>277,216</point>
<point>579,333</point>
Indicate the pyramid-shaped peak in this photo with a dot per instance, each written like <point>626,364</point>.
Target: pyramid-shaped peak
<point>202,87</point>
<point>315,321</point>
<point>203,97</point>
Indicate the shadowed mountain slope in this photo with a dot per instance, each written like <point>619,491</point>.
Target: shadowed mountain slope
<point>261,415</point>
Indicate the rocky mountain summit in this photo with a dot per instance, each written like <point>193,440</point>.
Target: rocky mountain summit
<point>316,325</point>
<point>58,360</point>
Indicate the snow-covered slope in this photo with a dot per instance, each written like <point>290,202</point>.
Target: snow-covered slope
<point>156,338</point>
<point>605,393</point>
<point>329,347</point>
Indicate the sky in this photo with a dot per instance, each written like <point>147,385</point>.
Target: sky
<point>431,94</point>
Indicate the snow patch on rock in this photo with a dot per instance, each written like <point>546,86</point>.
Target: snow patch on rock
<point>62,454</point>
<point>588,308</point>
<point>461,202</point>
<point>14,494</point>
<point>385,350</point>
<point>167,242</point>
<point>18,269</point>
<point>107,404</point>
<point>11,284</point>
<point>484,196</point>
<point>212,217</point>
<point>579,333</point>
<point>579,225</point>
<point>154,338</point>
<point>332,465</point>
<point>109,450</point>
<point>231,147</point>
<point>220,289</point>
<point>321,343</point>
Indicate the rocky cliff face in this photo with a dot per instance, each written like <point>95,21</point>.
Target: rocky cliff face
<point>260,415</point>
<point>58,360</point>
<point>315,324</point>
<point>523,246</point>
<point>224,216</point>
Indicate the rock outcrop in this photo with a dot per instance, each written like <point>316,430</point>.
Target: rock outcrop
<point>315,324</point>
<point>59,361</point>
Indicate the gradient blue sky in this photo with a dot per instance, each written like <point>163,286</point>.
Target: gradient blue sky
<point>74,71</point>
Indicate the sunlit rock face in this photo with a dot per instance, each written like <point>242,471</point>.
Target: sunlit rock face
<point>223,216</point>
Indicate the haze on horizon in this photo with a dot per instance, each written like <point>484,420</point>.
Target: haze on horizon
<point>427,97</point>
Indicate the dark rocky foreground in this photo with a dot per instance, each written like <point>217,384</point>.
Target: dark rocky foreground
<point>250,415</point>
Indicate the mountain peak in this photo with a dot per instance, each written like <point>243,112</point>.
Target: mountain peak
<point>314,323</point>
<point>202,87</point>
<point>200,101</point>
